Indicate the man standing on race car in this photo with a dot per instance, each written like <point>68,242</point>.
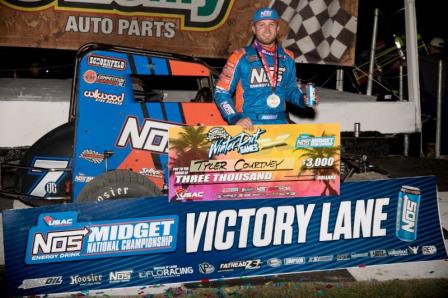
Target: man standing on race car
<point>263,75</point>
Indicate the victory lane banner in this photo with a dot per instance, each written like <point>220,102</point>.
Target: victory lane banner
<point>149,241</point>
<point>271,161</point>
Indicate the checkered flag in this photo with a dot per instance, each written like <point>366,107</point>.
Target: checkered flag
<point>320,30</point>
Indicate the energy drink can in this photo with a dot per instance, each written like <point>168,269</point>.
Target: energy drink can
<point>407,213</point>
<point>357,129</point>
<point>311,94</point>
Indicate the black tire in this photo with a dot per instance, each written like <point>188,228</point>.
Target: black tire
<point>118,184</point>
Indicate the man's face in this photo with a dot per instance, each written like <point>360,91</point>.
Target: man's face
<point>265,31</point>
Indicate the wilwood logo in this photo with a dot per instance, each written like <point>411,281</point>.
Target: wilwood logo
<point>202,15</point>
<point>105,97</point>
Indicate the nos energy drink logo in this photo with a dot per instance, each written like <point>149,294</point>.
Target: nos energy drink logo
<point>309,141</point>
<point>59,237</point>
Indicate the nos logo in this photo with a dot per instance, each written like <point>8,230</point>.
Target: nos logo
<point>409,216</point>
<point>152,136</point>
<point>58,242</point>
<point>259,76</point>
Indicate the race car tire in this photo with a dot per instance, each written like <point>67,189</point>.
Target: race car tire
<point>118,184</point>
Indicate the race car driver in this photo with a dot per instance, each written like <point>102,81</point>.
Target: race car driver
<point>262,76</point>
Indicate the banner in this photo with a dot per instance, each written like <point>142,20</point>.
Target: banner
<point>209,28</point>
<point>320,31</point>
<point>272,161</point>
<point>148,241</point>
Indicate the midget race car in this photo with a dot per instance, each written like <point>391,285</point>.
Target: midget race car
<point>115,143</point>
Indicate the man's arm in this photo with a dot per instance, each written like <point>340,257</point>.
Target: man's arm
<point>226,86</point>
<point>293,94</point>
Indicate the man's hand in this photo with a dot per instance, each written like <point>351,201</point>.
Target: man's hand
<point>245,123</point>
<point>316,100</point>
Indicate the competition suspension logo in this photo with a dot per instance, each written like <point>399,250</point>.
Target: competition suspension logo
<point>223,143</point>
<point>203,15</point>
<point>59,237</point>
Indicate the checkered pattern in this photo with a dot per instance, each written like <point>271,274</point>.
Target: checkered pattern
<point>320,30</point>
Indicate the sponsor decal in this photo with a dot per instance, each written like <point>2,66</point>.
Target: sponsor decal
<point>151,172</point>
<point>343,257</point>
<point>413,249</point>
<point>326,177</point>
<point>247,189</point>
<point>377,253</point>
<point>92,156</point>
<point>230,189</point>
<point>274,262</point>
<point>294,260</point>
<point>217,133</point>
<point>183,194</point>
<point>105,97</point>
<point>106,62</point>
<point>40,282</point>
<point>193,15</point>
<point>227,196</point>
<point>242,143</point>
<point>83,178</point>
<point>151,136</point>
<point>227,108</point>
<point>85,280</point>
<point>47,181</point>
<point>120,276</point>
<point>59,237</point>
<point>397,252</point>
<point>166,272</point>
<point>308,141</point>
<point>355,255</point>
<point>259,78</point>
<point>429,250</point>
<point>206,268</point>
<point>57,222</point>
<point>246,265</point>
<point>320,259</point>
<point>90,76</point>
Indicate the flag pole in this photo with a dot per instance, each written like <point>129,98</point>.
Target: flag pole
<point>372,52</point>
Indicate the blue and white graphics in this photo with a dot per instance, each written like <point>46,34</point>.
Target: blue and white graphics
<point>407,213</point>
<point>58,237</point>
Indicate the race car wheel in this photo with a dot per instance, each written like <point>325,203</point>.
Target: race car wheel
<point>118,184</point>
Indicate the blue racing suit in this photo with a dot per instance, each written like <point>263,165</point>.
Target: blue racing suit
<point>245,76</point>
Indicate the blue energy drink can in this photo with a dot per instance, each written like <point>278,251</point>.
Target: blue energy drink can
<point>407,213</point>
<point>311,94</point>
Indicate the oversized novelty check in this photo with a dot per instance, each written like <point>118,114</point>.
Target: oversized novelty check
<point>270,161</point>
